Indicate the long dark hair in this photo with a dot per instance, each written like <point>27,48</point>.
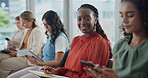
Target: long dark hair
<point>99,29</point>
<point>142,6</point>
<point>54,21</point>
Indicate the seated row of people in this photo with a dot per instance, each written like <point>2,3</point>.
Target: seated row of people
<point>33,40</point>
<point>93,46</point>
<point>82,47</point>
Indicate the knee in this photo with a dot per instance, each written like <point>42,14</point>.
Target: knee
<point>10,76</point>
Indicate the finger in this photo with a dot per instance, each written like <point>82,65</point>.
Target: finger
<point>48,68</point>
<point>47,72</point>
<point>97,69</point>
<point>108,69</point>
<point>93,72</point>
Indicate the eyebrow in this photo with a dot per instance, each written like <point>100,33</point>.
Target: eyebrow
<point>128,12</point>
<point>85,16</point>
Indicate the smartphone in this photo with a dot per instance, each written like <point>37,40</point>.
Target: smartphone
<point>5,51</point>
<point>7,39</point>
<point>87,63</point>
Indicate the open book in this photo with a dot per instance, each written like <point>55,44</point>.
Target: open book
<point>29,53</point>
<point>42,74</point>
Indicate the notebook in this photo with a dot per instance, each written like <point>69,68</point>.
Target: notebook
<point>42,74</point>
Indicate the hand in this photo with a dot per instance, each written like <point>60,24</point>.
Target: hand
<point>32,59</point>
<point>50,70</point>
<point>11,48</point>
<point>13,53</point>
<point>95,72</point>
<point>109,73</point>
<point>104,72</point>
<point>10,42</point>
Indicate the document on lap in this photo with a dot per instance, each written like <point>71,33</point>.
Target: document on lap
<point>42,74</point>
<point>29,53</point>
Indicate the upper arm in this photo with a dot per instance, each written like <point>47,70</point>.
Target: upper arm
<point>61,44</point>
<point>59,56</point>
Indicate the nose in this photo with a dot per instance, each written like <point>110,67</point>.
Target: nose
<point>124,20</point>
<point>82,21</point>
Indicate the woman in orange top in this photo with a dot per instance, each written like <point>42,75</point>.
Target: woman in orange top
<point>92,46</point>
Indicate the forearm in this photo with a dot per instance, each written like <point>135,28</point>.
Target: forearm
<point>49,63</point>
<point>16,42</point>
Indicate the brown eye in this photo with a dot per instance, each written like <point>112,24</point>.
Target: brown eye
<point>130,15</point>
<point>79,19</point>
<point>87,19</point>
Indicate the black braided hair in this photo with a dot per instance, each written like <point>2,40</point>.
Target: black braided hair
<point>99,29</point>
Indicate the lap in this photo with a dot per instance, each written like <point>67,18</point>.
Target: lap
<point>14,63</point>
<point>24,72</point>
<point>30,75</point>
<point>4,56</point>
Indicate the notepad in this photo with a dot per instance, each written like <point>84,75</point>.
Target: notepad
<point>42,74</point>
<point>29,53</point>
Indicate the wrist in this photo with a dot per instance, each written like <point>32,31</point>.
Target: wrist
<point>39,64</point>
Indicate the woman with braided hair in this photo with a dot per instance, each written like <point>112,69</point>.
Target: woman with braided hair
<point>92,46</point>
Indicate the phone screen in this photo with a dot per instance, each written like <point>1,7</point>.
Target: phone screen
<point>7,39</point>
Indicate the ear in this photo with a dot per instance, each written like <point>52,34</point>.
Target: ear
<point>96,20</point>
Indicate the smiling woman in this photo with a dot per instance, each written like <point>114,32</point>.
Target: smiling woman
<point>129,53</point>
<point>82,47</point>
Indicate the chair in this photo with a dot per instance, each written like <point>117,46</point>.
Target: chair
<point>110,63</point>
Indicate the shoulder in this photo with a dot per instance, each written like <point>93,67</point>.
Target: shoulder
<point>120,44</point>
<point>76,38</point>
<point>99,39</point>
<point>121,41</point>
<point>61,38</point>
<point>37,30</point>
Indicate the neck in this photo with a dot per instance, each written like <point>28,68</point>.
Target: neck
<point>138,39</point>
<point>88,34</point>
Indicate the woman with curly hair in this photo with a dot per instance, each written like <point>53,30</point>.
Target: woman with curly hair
<point>129,53</point>
<point>53,51</point>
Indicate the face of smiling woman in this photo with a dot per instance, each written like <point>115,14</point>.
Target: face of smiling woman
<point>86,21</point>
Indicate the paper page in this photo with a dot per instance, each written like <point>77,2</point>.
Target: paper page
<point>42,74</point>
<point>29,53</point>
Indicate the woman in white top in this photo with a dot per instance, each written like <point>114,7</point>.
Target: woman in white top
<point>17,35</point>
<point>54,48</point>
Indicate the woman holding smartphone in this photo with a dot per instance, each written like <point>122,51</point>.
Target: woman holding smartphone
<point>129,53</point>
<point>53,51</point>
<point>33,40</point>
<point>93,45</point>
